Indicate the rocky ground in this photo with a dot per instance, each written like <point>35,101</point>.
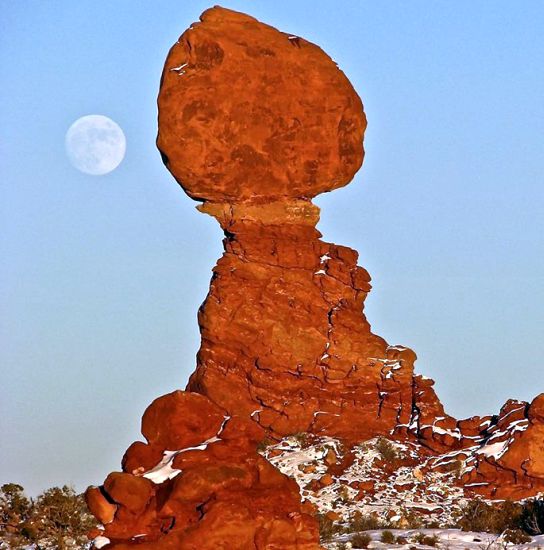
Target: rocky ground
<point>397,485</point>
<point>389,480</point>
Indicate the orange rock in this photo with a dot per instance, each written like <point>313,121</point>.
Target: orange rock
<point>225,492</point>
<point>330,458</point>
<point>248,113</point>
<point>326,480</point>
<point>100,507</point>
<point>180,420</point>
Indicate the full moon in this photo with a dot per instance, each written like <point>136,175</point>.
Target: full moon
<point>95,144</point>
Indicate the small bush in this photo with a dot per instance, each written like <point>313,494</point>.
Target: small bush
<point>326,528</point>
<point>427,540</point>
<point>430,540</point>
<point>516,536</point>
<point>532,517</point>
<point>386,450</point>
<point>455,467</point>
<point>302,439</point>
<point>360,540</point>
<point>401,540</point>
<point>360,522</point>
<point>387,537</point>
<point>477,515</point>
<point>411,518</point>
<point>55,519</point>
<point>264,444</point>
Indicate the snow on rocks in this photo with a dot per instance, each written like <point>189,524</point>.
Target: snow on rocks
<point>444,539</point>
<point>388,483</point>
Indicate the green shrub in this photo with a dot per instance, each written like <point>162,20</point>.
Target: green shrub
<point>326,528</point>
<point>412,518</point>
<point>264,444</point>
<point>56,518</point>
<point>302,439</point>
<point>387,537</point>
<point>360,540</point>
<point>427,540</point>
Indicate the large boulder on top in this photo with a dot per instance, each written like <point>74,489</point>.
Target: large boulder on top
<point>249,113</point>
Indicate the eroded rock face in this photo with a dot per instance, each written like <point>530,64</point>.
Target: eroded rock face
<point>283,337</point>
<point>198,483</point>
<point>509,463</point>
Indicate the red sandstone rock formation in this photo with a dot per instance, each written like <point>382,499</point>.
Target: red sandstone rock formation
<point>199,484</point>
<point>254,123</point>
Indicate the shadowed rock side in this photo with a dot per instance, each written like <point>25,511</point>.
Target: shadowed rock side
<point>254,123</point>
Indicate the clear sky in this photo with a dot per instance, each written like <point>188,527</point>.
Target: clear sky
<point>101,277</point>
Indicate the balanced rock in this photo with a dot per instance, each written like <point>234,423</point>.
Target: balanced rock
<point>254,123</point>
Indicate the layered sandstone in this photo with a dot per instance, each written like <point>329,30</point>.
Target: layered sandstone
<point>253,123</point>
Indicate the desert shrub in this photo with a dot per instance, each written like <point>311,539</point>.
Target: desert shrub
<point>477,515</point>
<point>532,517</point>
<point>432,525</point>
<point>454,467</point>
<point>418,537</point>
<point>412,520</point>
<point>58,518</point>
<point>344,495</point>
<point>427,540</point>
<point>14,507</point>
<point>360,522</point>
<point>516,536</point>
<point>386,450</point>
<point>264,444</point>
<point>302,439</point>
<point>401,540</point>
<point>387,537</point>
<point>430,540</point>
<point>360,540</point>
<point>327,528</point>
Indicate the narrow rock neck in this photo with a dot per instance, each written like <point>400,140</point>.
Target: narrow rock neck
<point>291,212</point>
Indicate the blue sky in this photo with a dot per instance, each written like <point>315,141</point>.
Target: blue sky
<point>102,276</point>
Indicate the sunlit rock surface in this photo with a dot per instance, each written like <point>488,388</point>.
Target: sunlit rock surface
<point>253,123</point>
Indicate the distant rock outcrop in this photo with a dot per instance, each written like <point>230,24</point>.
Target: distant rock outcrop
<point>254,122</point>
